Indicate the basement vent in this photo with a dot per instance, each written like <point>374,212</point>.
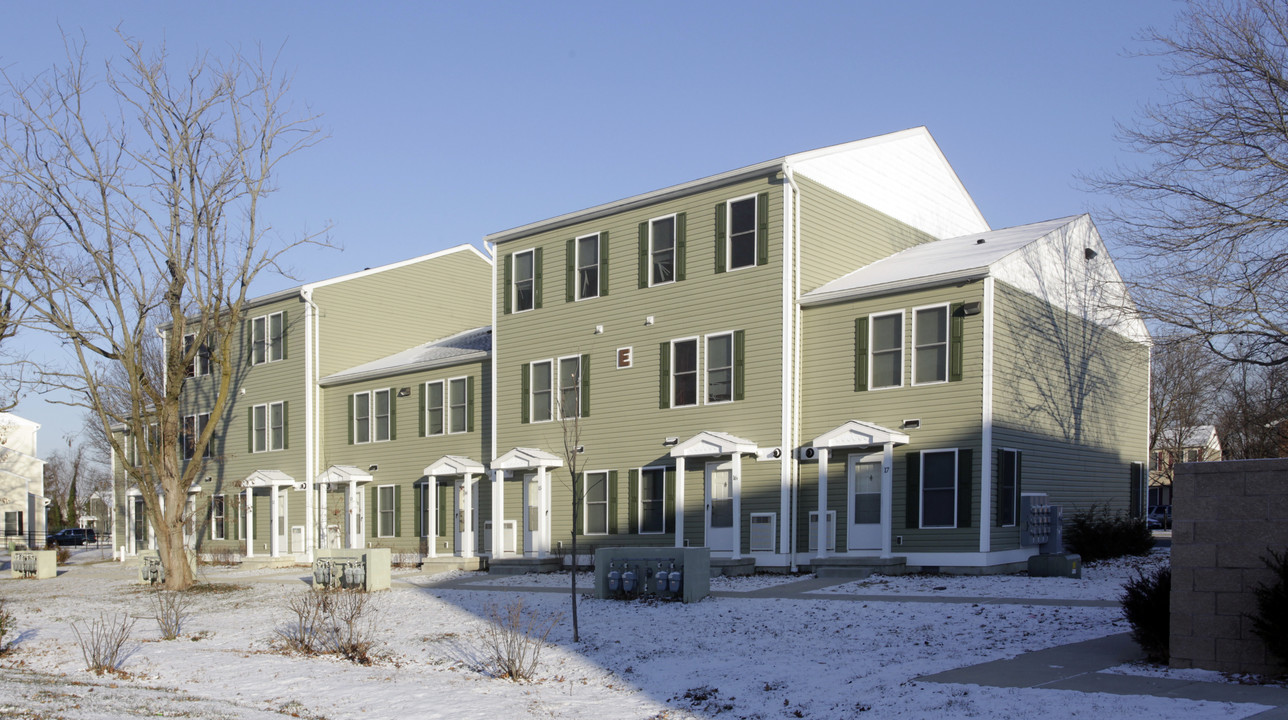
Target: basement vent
<point>831,530</point>
<point>764,528</point>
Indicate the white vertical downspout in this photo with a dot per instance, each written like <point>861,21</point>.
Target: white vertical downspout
<point>794,405</point>
<point>788,385</point>
<point>986,432</point>
<point>310,421</point>
<point>497,514</point>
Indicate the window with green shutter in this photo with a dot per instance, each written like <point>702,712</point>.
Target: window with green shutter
<point>596,503</point>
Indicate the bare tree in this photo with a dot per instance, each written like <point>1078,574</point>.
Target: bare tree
<point>1184,383</point>
<point>1253,417</point>
<point>1205,215</point>
<point>141,213</point>
<point>72,476</point>
<point>572,450</point>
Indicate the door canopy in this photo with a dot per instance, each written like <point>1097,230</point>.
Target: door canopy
<point>709,443</point>
<point>267,478</point>
<point>343,474</point>
<point>526,459</point>
<point>856,433</point>
<point>454,465</point>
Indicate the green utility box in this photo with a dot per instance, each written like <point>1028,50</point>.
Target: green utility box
<point>646,565</point>
<point>1056,565</point>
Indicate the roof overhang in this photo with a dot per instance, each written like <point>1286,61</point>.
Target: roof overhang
<point>526,459</point>
<point>340,474</point>
<point>454,465</point>
<point>856,433</point>
<point>267,478</point>
<point>709,443</point>
<point>815,297</point>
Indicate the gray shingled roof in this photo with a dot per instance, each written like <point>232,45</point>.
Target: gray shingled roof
<point>473,344</point>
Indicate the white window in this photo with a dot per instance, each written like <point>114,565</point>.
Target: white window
<point>742,233</point>
<point>587,266</point>
<point>1008,485</point>
<point>193,426</point>
<point>458,400</point>
<point>939,489</point>
<point>570,387</point>
<point>887,350</point>
<point>373,418</point>
<point>217,515</point>
<point>684,372</point>
<point>661,250</point>
<point>268,427</point>
<point>542,390</point>
<point>434,424</point>
<point>652,493</point>
<point>720,368</point>
<point>930,345</point>
<point>556,389</point>
<point>268,338</point>
<point>596,503</point>
<point>385,511</point>
<point>200,365</point>
<point>524,280</point>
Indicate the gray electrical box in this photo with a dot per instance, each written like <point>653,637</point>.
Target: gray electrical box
<point>367,569</point>
<point>1062,565</point>
<point>662,573</point>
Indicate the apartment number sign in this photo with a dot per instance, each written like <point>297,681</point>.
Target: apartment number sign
<point>624,358</point>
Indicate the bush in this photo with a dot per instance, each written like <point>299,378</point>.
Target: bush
<point>340,622</point>
<point>103,642</point>
<point>1271,621</point>
<point>170,608</point>
<point>513,640</point>
<point>1099,535</point>
<point>7,623</point>
<point>62,553</point>
<point>1147,604</point>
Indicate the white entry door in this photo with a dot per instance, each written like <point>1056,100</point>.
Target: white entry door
<point>532,514</point>
<point>865,503</point>
<point>720,506</point>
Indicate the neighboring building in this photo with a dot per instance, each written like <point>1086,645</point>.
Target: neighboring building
<point>1175,446</point>
<point>22,482</point>
<point>716,352</point>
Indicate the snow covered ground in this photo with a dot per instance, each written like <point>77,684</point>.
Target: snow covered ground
<point>735,657</point>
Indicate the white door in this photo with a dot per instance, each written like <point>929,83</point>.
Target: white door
<point>532,518</point>
<point>864,503</point>
<point>720,506</point>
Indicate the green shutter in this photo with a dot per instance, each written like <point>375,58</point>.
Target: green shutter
<point>642,280</point>
<point>739,362</point>
<point>912,491</point>
<point>285,345</point>
<point>418,522</point>
<point>664,376</point>
<point>420,404</point>
<point>393,414</point>
<point>397,511</point>
<point>998,477</point>
<point>579,521</point>
<point>537,281</point>
<point>505,289</point>
<point>860,354</point>
<point>956,322</point>
<point>286,425</point>
<point>679,247</point>
<point>1135,506</point>
<point>373,511</point>
<point>250,430</point>
<point>965,486</point>
<point>668,508</point>
<point>469,404</point>
<point>612,502</point>
<point>570,271</point>
<point>350,419</point>
<point>603,263</point>
<point>524,392</point>
<point>633,493</point>
<point>762,228</point>
<point>1019,473</point>
<point>584,401</point>
<point>721,219</point>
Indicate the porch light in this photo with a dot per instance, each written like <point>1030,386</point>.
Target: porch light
<point>1089,253</point>
<point>666,442</point>
<point>912,424</point>
<point>404,392</point>
<point>373,468</point>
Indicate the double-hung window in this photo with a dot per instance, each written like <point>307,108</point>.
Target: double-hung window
<point>372,416</point>
<point>887,350</point>
<point>939,489</point>
<point>268,427</point>
<point>193,426</point>
<point>458,405</point>
<point>217,515</point>
<point>447,406</point>
<point>200,365</point>
<point>434,401</point>
<point>385,500</point>
<point>524,293</point>
<point>930,345</point>
<point>554,389</point>
<point>720,368</point>
<point>268,338</point>
<point>542,391</point>
<point>596,503</point>
<point>570,387</point>
<point>661,250</point>
<point>652,495</point>
<point>684,377</point>
<point>742,233</point>
<point>587,266</point>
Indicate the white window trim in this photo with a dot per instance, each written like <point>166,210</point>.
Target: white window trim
<point>197,429</point>
<point>706,368</point>
<point>585,503</point>
<point>380,511</point>
<point>1014,501</point>
<point>443,408</point>
<point>195,366</point>
<point>921,490</point>
<point>217,521</point>
<point>447,399</point>
<point>256,446</point>
<point>639,493</point>
<point>554,390</point>
<point>514,280</point>
<point>268,427</point>
<point>699,384</point>
<point>755,233</point>
<point>674,217</point>
<point>557,410</point>
<point>390,415</point>
<point>903,361</point>
<point>576,267</point>
<point>371,425</point>
<point>913,342</point>
<point>268,337</point>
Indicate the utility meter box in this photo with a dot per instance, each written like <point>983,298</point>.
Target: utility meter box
<point>663,573</point>
<point>1067,565</point>
<point>367,569</point>
<point>36,564</point>
<point>152,572</point>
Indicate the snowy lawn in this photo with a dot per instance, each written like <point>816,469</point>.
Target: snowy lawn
<point>736,657</point>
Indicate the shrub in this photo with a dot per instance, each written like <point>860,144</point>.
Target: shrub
<point>7,623</point>
<point>103,642</point>
<point>1271,621</point>
<point>1146,603</point>
<point>1100,535</point>
<point>513,640</point>
<point>62,553</point>
<point>170,608</point>
<point>340,622</point>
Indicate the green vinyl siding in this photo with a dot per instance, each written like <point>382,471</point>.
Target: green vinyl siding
<point>627,427</point>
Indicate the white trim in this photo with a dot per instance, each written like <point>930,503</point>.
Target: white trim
<point>755,232</point>
<point>392,510</point>
<point>697,370</point>
<point>268,427</point>
<point>446,406</point>
<point>493,360</point>
<point>639,496</point>
<point>871,458</point>
<point>946,559</point>
<point>554,391</point>
<point>903,335</point>
<point>576,267</point>
<point>675,252</point>
<point>706,367</point>
<point>442,408</point>
<point>585,503</point>
<point>383,268</point>
<point>789,471</point>
<point>912,343</point>
<point>514,279</point>
<point>557,410</point>
<point>921,490</point>
<point>986,423</point>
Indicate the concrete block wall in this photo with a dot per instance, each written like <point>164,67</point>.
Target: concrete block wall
<point>1225,517</point>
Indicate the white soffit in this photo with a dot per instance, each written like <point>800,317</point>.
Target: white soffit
<point>709,443</point>
<point>902,174</point>
<point>526,459</point>
<point>454,465</point>
<point>855,433</point>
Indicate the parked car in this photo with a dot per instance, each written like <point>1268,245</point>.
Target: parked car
<point>74,536</point>
<point>1159,518</point>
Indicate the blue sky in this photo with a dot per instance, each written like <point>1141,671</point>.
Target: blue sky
<point>448,121</point>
